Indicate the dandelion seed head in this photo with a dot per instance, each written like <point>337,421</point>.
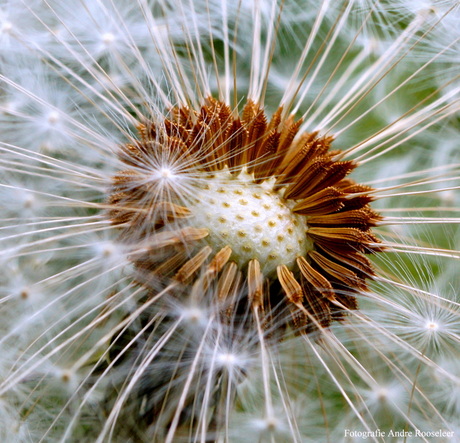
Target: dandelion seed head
<point>6,27</point>
<point>269,426</point>
<point>105,249</point>
<point>194,315</point>
<point>227,360</point>
<point>108,39</point>
<point>166,178</point>
<point>166,173</point>
<point>426,7</point>
<point>448,197</point>
<point>234,362</point>
<point>28,200</point>
<point>247,202</point>
<point>23,201</point>
<point>391,394</point>
<point>31,295</point>
<point>63,378</point>
<point>110,253</point>
<point>438,327</point>
<point>53,118</point>
<point>432,326</point>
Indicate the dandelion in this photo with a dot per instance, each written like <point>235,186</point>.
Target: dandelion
<point>229,221</point>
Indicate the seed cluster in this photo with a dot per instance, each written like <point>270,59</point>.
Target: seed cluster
<point>253,219</point>
<point>212,195</point>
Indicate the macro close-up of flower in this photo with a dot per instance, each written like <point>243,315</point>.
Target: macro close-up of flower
<point>229,221</point>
